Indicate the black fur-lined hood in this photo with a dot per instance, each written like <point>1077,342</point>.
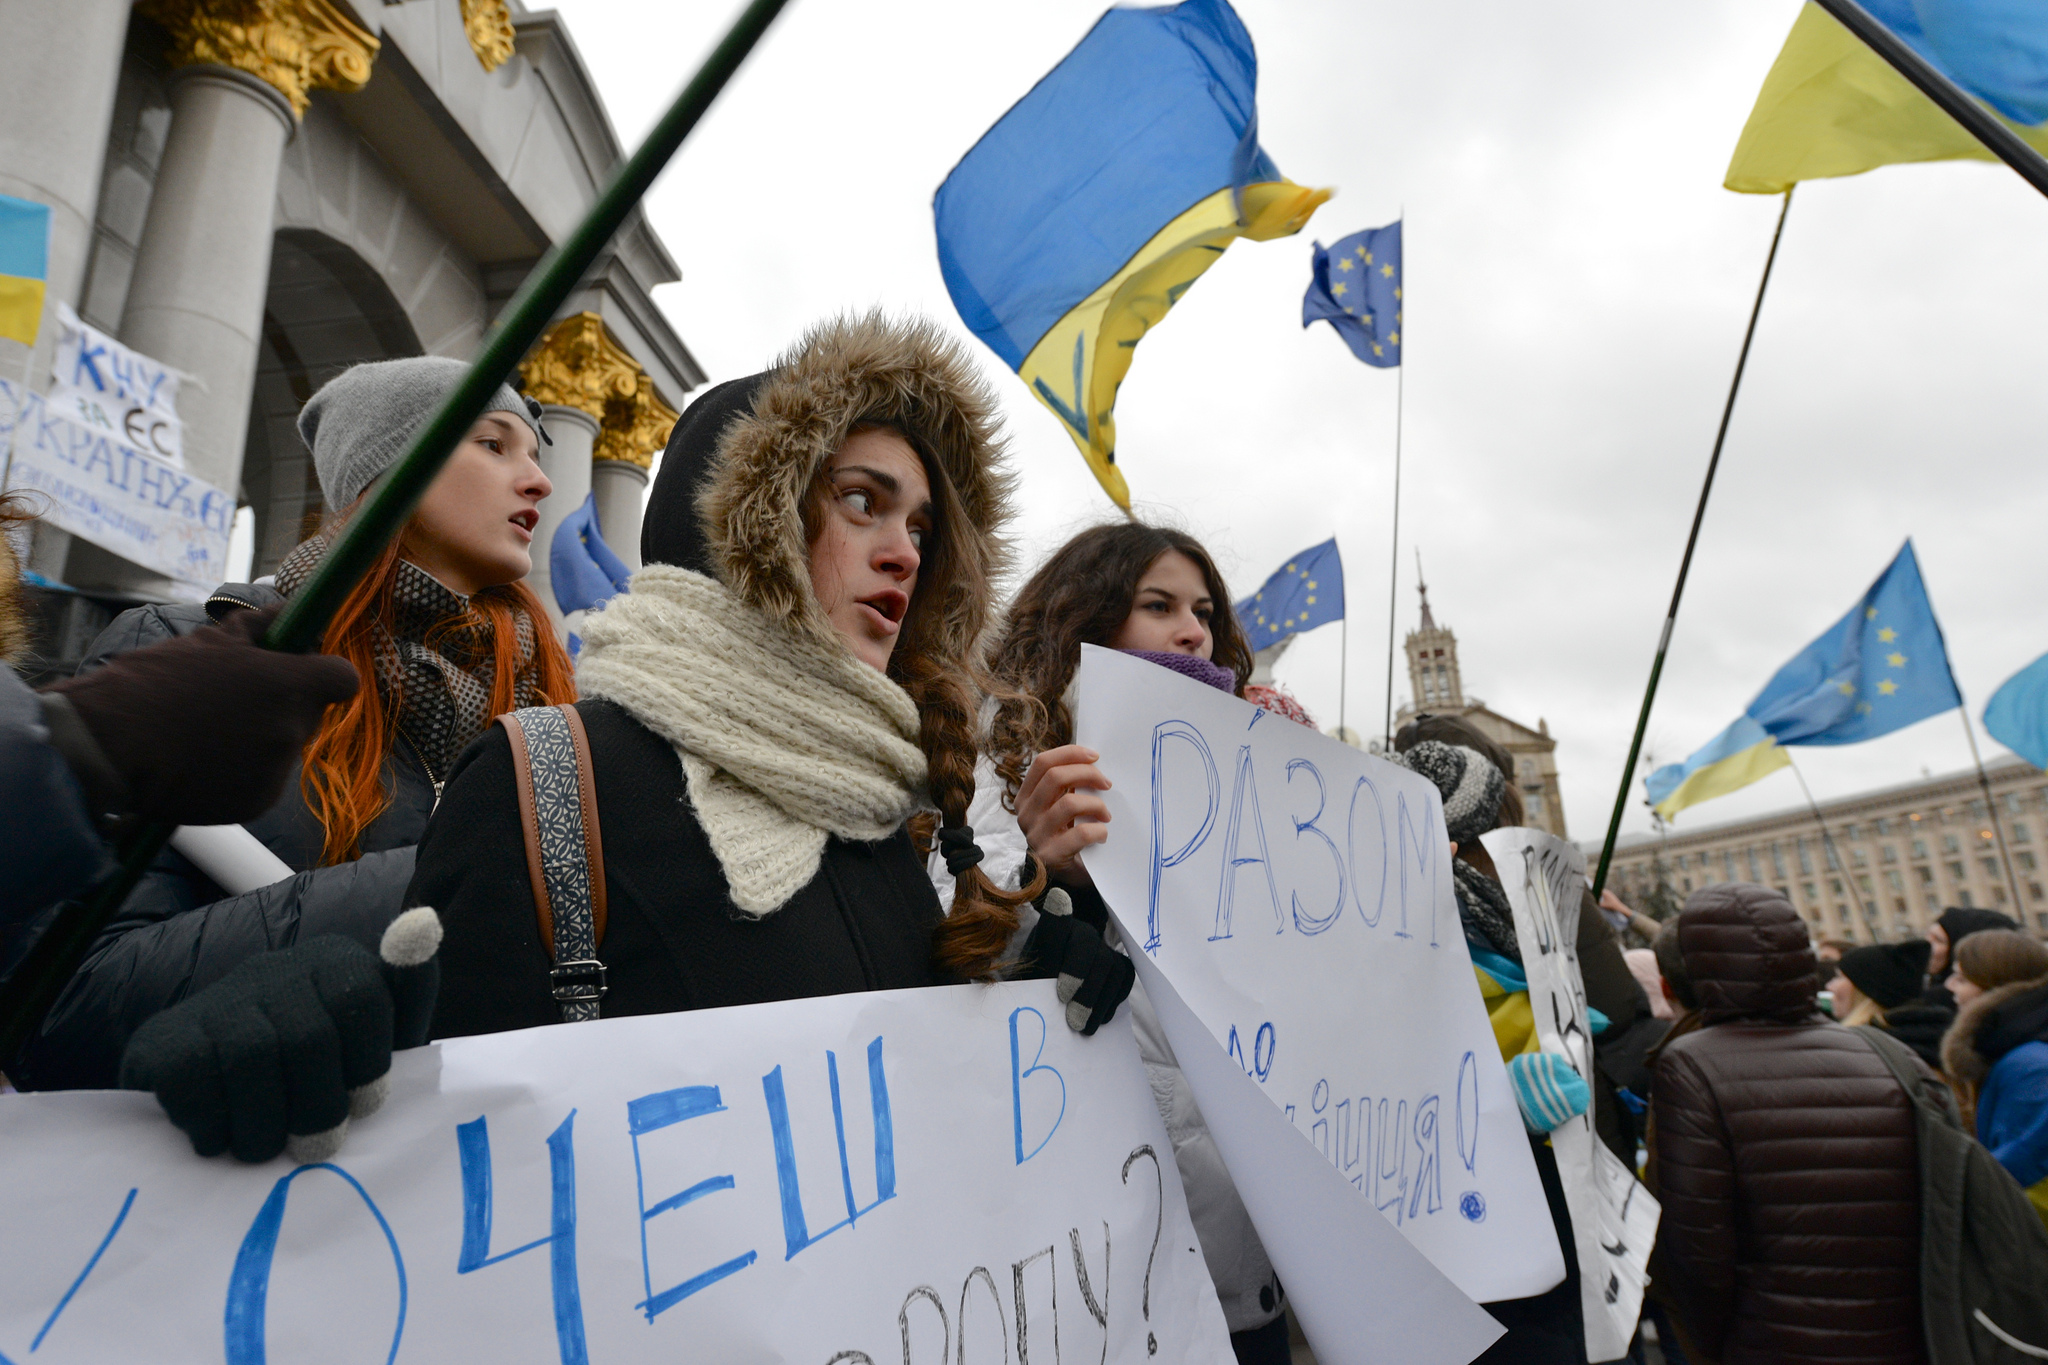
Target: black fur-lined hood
<point>729,497</point>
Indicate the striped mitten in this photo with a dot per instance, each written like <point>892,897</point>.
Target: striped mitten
<point>1549,1092</point>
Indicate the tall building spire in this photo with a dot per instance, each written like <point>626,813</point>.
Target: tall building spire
<point>1428,621</point>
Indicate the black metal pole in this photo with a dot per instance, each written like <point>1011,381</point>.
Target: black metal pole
<point>35,984</point>
<point>1978,121</point>
<point>1635,746</point>
<point>1394,551</point>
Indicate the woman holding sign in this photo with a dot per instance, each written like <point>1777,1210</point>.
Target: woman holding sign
<point>1156,593</point>
<point>789,683</point>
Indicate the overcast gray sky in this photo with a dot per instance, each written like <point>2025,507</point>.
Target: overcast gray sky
<point>1577,284</point>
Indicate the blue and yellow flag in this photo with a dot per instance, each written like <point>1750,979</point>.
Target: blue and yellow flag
<point>1830,106</point>
<point>24,267</point>
<point>1305,592</point>
<point>1076,222</point>
<point>2017,715</point>
<point>1878,669</point>
<point>1356,288</point>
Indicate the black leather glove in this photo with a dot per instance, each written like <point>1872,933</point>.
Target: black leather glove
<point>203,729</point>
<point>1093,978</point>
<point>281,1052</point>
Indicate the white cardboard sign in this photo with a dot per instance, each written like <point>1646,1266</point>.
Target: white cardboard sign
<point>1614,1218</point>
<point>120,393</point>
<point>1296,895</point>
<point>945,1175</point>
<point>118,497</point>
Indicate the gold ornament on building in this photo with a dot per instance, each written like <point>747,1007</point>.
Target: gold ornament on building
<point>293,46</point>
<point>578,365</point>
<point>634,431</point>
<point>489,26</point>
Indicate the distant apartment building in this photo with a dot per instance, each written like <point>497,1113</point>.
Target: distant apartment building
<point>1890,862</point>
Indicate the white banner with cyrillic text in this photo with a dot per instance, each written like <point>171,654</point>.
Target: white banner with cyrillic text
<point>118,497</point>
<point>1614,1218</point>
<point>1296,895</point>
<point>945,1175</point>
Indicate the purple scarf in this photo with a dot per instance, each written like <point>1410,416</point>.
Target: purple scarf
<point>1189,666</point>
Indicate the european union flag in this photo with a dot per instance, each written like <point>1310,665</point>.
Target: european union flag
<point>1082,216</point>
<point>1878,669</point>
<point>1357,290</point>
<point>583,569</point>
<point>1305,592</point>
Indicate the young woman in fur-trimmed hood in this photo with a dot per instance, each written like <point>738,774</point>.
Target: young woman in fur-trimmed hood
<point>792,677</point>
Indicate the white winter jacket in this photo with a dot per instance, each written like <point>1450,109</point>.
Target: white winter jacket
<point>1245,1282</point>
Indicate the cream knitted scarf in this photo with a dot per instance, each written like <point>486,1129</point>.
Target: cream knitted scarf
<point>785,740</point>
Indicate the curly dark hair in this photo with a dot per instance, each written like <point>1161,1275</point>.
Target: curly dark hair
<point>1081,596</point>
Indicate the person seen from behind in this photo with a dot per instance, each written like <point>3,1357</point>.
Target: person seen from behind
<point>1785,1156</point>
<point>1996,1053</point>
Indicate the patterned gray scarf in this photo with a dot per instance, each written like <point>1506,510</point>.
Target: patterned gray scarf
<point>435,667</point>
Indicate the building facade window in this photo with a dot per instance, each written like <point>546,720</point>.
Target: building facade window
<point>1807,890</point>
<point>1990,869</point>
<point>1805,858</point>
<point>2025,860</point>
<point>1896,882</point>
<point>1949,844</point>
<point>2019,831</point>
<point>1955,872</point>
<point>1926,875</point>
<point>1919,848</point>
<point>1777,860</point>
<point>1888,854</point>
<point>1849,833</point>
<point>1963,899</point>
<point>1859,857</point>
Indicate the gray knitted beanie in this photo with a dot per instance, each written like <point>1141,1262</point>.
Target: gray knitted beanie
<point>1472,788</point>
<point>362,419</point>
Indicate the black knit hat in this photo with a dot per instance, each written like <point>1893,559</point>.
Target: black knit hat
<point>1961,921</point>
<point>1889,973</point>
<point>670,532</point>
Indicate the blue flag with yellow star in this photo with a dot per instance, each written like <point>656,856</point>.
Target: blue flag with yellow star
<point>1357,290</point>
<point>1305,592</point>
<point>1878,669</point>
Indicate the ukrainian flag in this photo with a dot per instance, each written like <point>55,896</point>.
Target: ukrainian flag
<point>1880,668</point>
<point>24,267</point>
<point>1830,106</point>
<point>1083,215</point>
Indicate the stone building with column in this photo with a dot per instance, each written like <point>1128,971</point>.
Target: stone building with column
<point>1880,865</point>
<point>1437,686</point>
<point>260,193</point>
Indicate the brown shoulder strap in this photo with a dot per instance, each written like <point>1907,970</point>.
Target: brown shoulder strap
<point>522,772</point>
<point>593,841</point>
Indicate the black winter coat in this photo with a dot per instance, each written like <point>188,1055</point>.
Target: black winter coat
<point>673,938</point>
<point>179,931</point>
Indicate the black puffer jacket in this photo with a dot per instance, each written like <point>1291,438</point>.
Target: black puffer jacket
<point>179,931</point>
<point>673,940</point>
<point>1787,1157</point>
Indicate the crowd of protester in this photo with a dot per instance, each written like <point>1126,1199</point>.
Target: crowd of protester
<point>824,761</point>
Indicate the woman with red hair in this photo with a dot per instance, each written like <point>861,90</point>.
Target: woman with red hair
<point>451,637</point>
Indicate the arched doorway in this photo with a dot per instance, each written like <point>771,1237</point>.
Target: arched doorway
<point>326,309</point>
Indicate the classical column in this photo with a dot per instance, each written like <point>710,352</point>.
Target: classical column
<point>245,71</point>
<point>567,463</point>
<point>59,66</point>
<point>576,371</point>
<point>634,433</point>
